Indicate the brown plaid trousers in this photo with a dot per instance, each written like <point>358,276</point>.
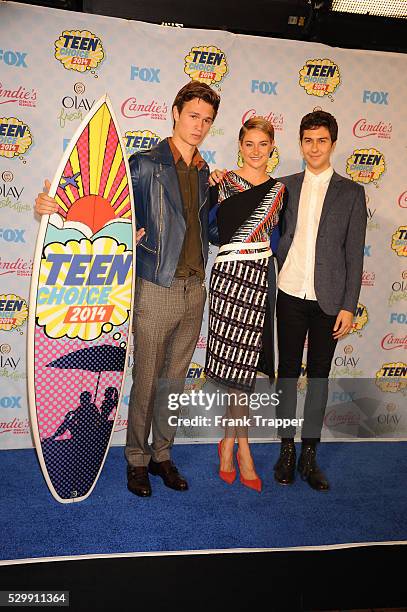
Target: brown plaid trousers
<point>166,324</point>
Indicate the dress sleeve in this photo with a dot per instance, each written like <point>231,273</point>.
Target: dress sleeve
<point>213,210</point>
<point>279,228</point>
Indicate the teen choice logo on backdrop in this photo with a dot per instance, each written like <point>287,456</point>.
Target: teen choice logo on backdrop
<point>84,288</point>
<point>319,77</point>
<point>140,141</point>
<point>79,50</point>
<point>360,319</point>
<point>13,311</point>
<point>399,241</point>
<point>365,165</point>
<point>392,377</point>
<point>206,64</point>
<point>272,163</point>
<point>195,378</point>
<point>15,137</point>
<point>302,380</point>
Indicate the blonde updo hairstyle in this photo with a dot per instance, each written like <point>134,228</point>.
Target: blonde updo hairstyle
<point>257,123</point>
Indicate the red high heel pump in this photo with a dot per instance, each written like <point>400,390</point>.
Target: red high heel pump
<point>253,483</point>
<point>228,477</point>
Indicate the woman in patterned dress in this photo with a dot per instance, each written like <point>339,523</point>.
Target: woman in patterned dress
<point>247,212</point>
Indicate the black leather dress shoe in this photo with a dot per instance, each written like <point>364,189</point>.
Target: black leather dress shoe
<point>284,469</point>
<point>169,473</point>
<point>309,470</point>
<point>138,481</point>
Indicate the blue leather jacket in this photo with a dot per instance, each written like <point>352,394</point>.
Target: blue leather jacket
<point>159,209</point>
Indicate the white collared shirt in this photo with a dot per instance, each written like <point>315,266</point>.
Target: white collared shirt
<point>297,274</point>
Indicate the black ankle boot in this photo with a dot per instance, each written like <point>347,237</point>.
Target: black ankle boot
<point>284,469</point>
<point>309,470</point>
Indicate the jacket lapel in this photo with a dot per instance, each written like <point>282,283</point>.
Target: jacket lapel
<point>167,176</point>
<point>294,193</point>
<point>330,197</point>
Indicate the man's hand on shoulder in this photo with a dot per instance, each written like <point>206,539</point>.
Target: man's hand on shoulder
<point>44,204</point>
<point>139,234</point>
<point>343,324</point>
<point>216,176</point>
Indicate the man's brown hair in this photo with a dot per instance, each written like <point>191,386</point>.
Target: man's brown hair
<point>195,89</point>
<point>318,119</point>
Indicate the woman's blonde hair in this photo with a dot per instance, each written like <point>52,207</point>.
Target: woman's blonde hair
<point>257,123</point>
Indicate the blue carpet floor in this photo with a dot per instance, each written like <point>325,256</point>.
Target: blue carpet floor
<point>367,503</point>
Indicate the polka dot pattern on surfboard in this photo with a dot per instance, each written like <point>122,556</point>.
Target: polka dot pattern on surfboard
<point>83,292</point>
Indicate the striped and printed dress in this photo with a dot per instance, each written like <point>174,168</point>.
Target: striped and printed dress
<point>246,217</point>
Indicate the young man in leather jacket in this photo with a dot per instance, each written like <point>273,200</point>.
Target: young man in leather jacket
<point>170,187</point>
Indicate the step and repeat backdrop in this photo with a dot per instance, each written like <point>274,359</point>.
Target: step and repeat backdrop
<point>54,65</point>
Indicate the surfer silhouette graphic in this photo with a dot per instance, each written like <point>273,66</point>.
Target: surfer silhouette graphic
<point>108,408</point>
<point>89,429</point>
<point>81,421</point>
<point>109,403</point>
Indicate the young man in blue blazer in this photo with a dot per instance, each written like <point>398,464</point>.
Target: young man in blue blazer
<point>320,260</point>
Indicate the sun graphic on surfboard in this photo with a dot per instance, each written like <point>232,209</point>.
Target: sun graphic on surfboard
<point>91,191</point>
<point>86,269</point>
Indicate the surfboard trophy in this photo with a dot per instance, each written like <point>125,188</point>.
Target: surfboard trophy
<point>81,300</point>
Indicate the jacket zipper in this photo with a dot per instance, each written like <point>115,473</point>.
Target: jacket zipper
<point>160,228</point>
<point>147,248</point>
<point>200,235</point>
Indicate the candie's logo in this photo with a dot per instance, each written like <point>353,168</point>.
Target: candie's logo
<point>13,311</point>
<point>319,77</point>
<point>20,95</point>
<point>368,278</point>
<point>140,141</point>
<point>202,342</point>
<point>15,426</point>
<point>399,241</point>
<point>360,319</point>
<point>79,50</point>
<point>15,137</point>
<point>365,165</point>
<point>364,128</point>
<point>17,266</point>
<point>390,342</point>
<point>392,377</point>
<point>402,201</point>
<point>206,64</point>
<point>276,119</point>
<point>272,163</point>
<point>132,109</point>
